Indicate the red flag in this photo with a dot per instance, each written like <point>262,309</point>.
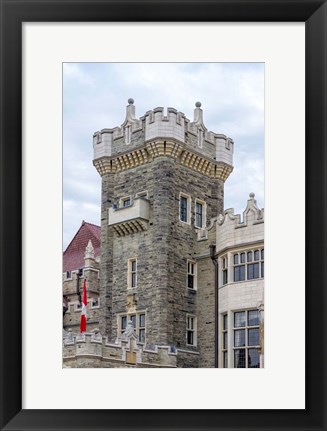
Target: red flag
<point>84,309</point>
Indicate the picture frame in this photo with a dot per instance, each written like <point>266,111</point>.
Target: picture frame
<point>13,14</point>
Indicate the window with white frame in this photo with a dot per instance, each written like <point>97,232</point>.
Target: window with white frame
<point>132,273</point>
<point>249,265</point>
<point>224,264</point>
<point>191,330</point>
<point>125,202</point>
<point>78,306</point>
<point>200,214</point>
<point>191,275</point>
<point>138,322</point>
<point>95,302</point>
<point>185,208</point>
<point>246,339</point>
<point>225,340</point>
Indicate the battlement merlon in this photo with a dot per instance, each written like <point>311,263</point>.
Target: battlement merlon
<point>135,132</point>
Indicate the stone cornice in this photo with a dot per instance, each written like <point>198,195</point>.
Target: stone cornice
<point>163,147</point>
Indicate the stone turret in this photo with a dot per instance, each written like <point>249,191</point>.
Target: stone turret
<point>162,183</point>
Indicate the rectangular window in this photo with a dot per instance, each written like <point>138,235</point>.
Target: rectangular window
<point>246,332</point>
<point>225,341</point>
<point>191,275</point>
<point>224,270</point>
<point>132,273</point>
<point>126,202</point>
<point>95,303</point>
<point>142,328</point>
<point>198,214</point>
<point>191,330</point>
<point>138,322</point>
<point>68,274</point>
<point>249,265</point>
<point>185,208</point>
<point>123,324</point>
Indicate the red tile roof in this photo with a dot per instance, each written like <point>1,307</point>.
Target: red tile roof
<point>74,253</point>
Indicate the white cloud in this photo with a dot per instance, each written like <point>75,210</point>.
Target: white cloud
<point>95,97</point>
<point>73,72</point>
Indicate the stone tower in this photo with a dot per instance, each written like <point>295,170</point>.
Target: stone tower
<point>162,183</point>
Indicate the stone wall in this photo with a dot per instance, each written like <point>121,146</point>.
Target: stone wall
<point>72,316</point>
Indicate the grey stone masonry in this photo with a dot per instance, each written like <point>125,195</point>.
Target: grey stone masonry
<point>147,165</point>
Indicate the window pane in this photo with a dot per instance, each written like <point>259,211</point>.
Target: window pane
<point>256,255</point>
<point>262,254</point>
<point>242,272</point>
<point>142,320</point>
<point>133,279</point>
<point>239,358</point>
<point>237,273</point>
<point>256,270</point>
<point>249,256</point>
<point>225,340</point>
<point>253,358</point>
<point>189,337</point>
<point>183,208</point>
<point>142,335</point>
<point>198,214</point>
<point>253,318</point>
<point>262,269</point>
<point>133,265</point>
<point>126,202</point>
<point>225,359</point>
<point>190,281</point>
<point>239,319</point>
<point>250,271</point>
<point>123,323</point>
<point>235,259</point>
<point>133,319</point>
<point>253,337</point>
<point>239,338</point>
<point>225,322</point>
<point>225,276</point>
<point>242,257</point>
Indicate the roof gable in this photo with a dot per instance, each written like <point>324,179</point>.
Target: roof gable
<point>73,258</point>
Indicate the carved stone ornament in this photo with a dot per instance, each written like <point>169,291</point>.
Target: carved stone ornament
<point>89,251</point>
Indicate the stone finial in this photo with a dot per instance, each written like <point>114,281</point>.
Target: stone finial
<point>252,195</point>
<point>130,112</point>
<point>89,251</point>
<point>198,115</point>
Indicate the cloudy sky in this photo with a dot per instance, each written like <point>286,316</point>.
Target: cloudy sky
<point>95,97</point>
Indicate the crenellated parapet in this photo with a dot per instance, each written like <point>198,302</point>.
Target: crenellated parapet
<point>233,229</point>
<point>81,350</point>
<point>139,141</point>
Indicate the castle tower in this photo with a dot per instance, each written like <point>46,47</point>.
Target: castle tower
<point>162,182</point>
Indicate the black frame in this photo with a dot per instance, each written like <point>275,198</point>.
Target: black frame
<point>13,14</point>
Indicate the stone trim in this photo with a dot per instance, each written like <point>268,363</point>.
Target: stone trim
<point>240,247</point>
<point>131,226</point>
<point>160,147</point>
